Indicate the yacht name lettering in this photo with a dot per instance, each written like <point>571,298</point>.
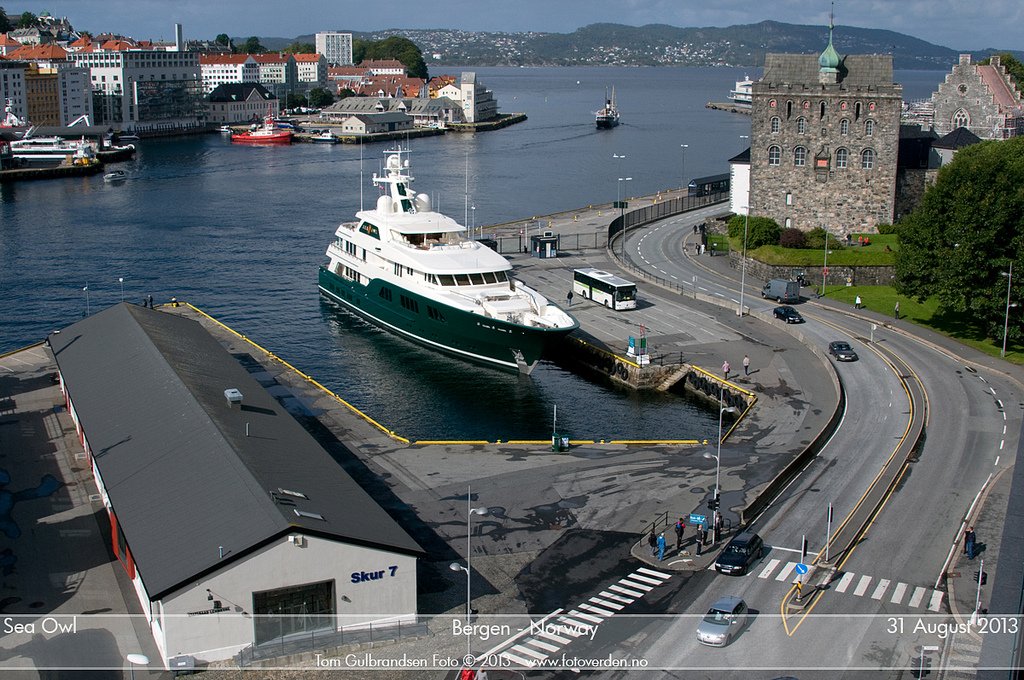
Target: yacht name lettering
<point>539,627</point>
<point>48,625</point>
<point>365,576</point>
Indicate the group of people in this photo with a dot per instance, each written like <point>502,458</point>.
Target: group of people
<point>658,543</point>
<point>726,367</point>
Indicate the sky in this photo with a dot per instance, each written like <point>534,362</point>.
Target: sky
<point>954,24</point>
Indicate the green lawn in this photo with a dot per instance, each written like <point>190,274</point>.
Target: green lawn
<point>874,254</point>
<point>882,299</point>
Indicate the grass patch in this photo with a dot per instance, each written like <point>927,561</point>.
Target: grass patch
<point>873,255</point>
<point>882,299</point>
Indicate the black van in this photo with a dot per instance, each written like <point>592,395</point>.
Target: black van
<point>741,552</point>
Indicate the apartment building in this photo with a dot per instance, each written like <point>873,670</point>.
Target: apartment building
<point>336,47</point>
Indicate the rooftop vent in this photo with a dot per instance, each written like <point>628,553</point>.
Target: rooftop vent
<point>233,396</point>
<point>310,515</point>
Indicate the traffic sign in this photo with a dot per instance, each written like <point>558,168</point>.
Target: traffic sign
<point>801,568</point>
<point>698,519</point>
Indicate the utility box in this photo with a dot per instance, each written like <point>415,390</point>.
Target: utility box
<point>559,443</point>
<point>233,396</point>
<point>544,246</point>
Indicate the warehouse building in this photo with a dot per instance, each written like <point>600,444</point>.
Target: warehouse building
<point>235,526</point>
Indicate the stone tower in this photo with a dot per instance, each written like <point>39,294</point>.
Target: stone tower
<point>824,141</point>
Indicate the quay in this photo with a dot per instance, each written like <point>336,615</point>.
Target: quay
<point>731,107</point>
<point>544,507</point>
<point>17,174</point>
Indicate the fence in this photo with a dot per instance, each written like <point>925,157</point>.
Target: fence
<point>329,638</point>
<point>657,211</point>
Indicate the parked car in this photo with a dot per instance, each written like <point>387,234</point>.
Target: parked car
<point>723,622</point>
<point>740,553</point>
<point>787,314</point>
<point>841,351</point>
<point>781,290</point>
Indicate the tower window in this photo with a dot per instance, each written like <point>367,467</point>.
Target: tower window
<point>801,125</point>
<point>842,158</point>
<point>869,127</point>
<point>867,159</point>
<point>799,156</point>
<point>776,125</point>
<point>774,155</point>
<point>961,119</point>
<point>844,126</point>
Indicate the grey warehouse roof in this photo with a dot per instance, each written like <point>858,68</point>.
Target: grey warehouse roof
<point>184,477</point>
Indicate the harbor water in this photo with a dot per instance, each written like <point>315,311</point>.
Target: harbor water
<point>240,231</point>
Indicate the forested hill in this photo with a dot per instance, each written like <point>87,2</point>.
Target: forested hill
<point>659,44</point>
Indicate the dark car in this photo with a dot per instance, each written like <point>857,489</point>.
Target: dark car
<point>741,552</point>
<point>787,314</point>
<point>841,351</point>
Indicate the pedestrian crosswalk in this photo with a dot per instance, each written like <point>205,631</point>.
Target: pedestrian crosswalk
<point>863,585</point>
<point>562,628</point>
<point>960,659</point>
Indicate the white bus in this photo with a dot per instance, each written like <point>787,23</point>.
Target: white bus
<point>604,288</point>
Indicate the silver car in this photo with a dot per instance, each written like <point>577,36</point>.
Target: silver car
<point>723,621</point>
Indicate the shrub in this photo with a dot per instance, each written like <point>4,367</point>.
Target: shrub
<point>888,228</point>
<point>736,226</point>
<point>815,240</point>
<point>792,238</point>
<point>763,231</point>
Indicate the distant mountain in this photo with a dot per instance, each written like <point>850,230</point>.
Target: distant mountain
<point>661,45</point>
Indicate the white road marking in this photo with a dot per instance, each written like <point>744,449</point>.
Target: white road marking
<point>633,584</point>
<point>915,599</point>
<point>897,594</point>
<point>517,660</point>
<point>606,603</point>
<point>575,628</point>
<point>862,586</point>
<point>617,598</point>
<point>767,571</point>
<point>784,573</point>
<point>844,582</point>
<point>657,574</point>
<point>542,645</point>
<point>646,579</point>
<point>598,611</point>
<point>880,589</point>
<point>587,617</point>
<point>997,461</point>
<point>625,591</point>
<point>551,636</point>
<point>936,600</point>
<point>529,652</point>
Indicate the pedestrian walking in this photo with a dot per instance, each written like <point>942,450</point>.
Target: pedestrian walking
<point>969,543</point>
<point>661,546</point>
<point>700,539</point>
<point>857,303</point>
<point>718,526</point>
<point>680,530</point>
<point>896,310</point>
<point>568,298</point>
<point>695,230</point>
<point>151,302</point>
<point>725,369</point>
<point>746,365</point>
<point>652,542</point>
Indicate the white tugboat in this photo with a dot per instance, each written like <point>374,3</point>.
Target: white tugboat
<point>410,270</point>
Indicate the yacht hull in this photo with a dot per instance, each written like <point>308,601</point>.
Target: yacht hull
<point>438,326</point>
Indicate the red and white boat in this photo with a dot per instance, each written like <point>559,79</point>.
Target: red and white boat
<point>269,133</point>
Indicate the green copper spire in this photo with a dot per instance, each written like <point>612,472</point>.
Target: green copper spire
<point>829,59</point>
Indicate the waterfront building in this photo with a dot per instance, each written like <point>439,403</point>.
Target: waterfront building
<point>478,103</point>
<point>824,141</point>
<point>220,69</point>
<point>56,91</point>
<point>311,71</point>
<point>12,87</point>
<point>239,103</point>
<point>739,183</point>
<point>434,113</point>
<point>277,73</point>
<point>336,47</point>
<point>980,97</point>
<point>143,90</point>
<point>371,123</point>
<point>225,514</point>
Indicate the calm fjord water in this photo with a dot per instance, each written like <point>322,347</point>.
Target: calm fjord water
<point>240,232</point>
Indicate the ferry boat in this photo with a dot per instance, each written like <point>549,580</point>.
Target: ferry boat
<point>410,270</point>
<point>743,93</point>
<point>52,150</point>
<point>268,133</point>
<point>608,115</point>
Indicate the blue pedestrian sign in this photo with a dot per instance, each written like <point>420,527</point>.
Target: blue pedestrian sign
<point>801,568</point>
<point>698,519</point>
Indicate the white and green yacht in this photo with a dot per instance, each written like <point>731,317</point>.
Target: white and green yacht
<point>409,269</point>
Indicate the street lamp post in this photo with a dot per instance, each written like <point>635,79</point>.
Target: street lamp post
<point>722,409</point>
<point>743,263</point>
<point>136,659</point>
<point>85,289</point>
<point>455,566</point>
<point>622,214</point>
<point>1006,319</point>
<point>824,268</point>
<point>120,280</point>
<point>682,168</point>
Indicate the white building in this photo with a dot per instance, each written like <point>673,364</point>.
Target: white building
<point>478,103</point>
<point>143,90</point>
<point>739,183</point>
<point>277,73</point>
<point>222,69</point>
<point>226,515</point>
<point>336,47</point>
<point>239,103</point>
<point>311,70</point>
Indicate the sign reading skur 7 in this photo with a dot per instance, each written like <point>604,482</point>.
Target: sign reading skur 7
<point>366,576</point>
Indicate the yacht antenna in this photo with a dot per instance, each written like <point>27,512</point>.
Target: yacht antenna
<point>465,218</point>
<point>360,174</point>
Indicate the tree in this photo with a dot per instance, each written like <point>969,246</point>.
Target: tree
<point>295,101</point>
<point>964,235</point>
<point>5,23</point>
<point>761,231</point>
<point>319,98</point>
<point>28,20</point>
<point>223,39</point>
<point>253,46</point>
<point>1013,66</point>
<point>395,47</point>
<point>345,93</point>
<point>793,238</point>
<point>300,48</point>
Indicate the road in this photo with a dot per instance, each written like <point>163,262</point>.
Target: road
<point>886,591</point>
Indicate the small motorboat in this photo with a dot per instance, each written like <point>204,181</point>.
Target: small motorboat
<point>115,176</point>
<point>324,137</point>
<point>225,129</point>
